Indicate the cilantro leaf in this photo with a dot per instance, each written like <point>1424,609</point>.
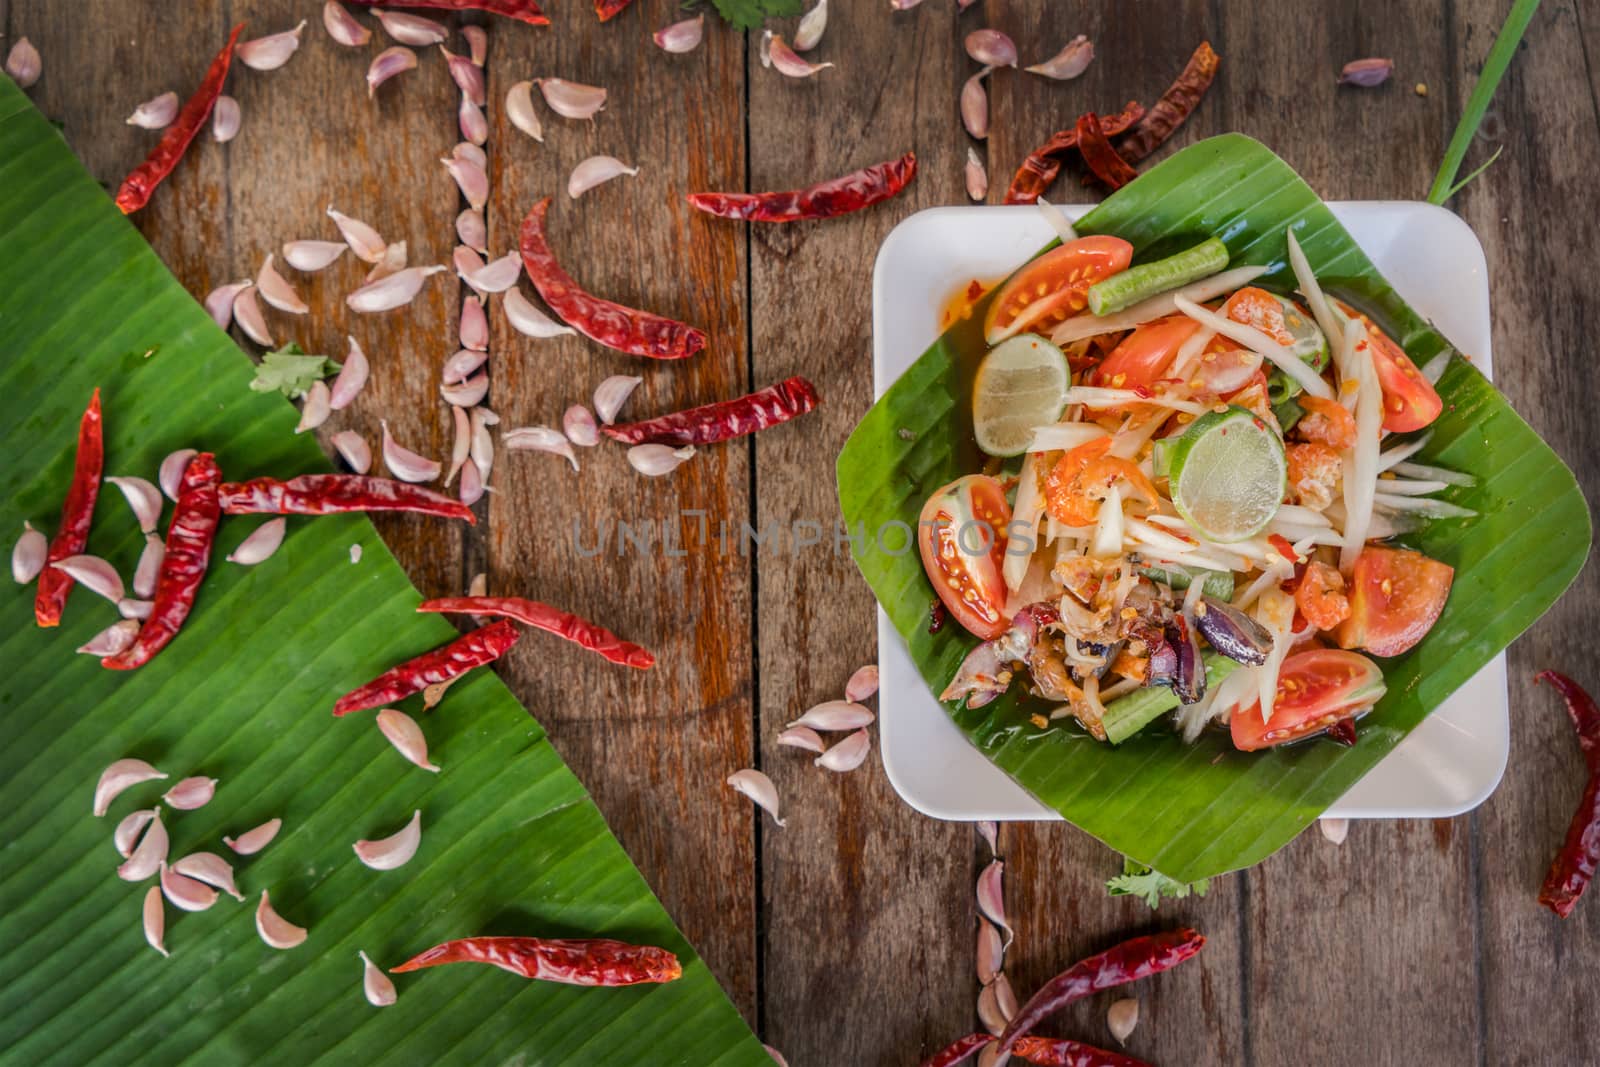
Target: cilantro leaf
<point>1137,880</point>
<point>290,371</point>
<point>748,14</point>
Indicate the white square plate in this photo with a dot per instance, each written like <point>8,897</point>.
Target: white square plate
<point>1449,764</point>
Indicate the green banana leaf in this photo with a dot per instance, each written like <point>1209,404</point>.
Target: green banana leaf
<point>1193,811</point>
<point>511,842</point>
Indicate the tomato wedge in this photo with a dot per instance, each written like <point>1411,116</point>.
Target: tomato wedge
<point>1396,596</point>
<point>1055,286</point>
<point>1144,355</point>
<point>961,535</point>
<point>1410,401</point>
<point>1317,689</point>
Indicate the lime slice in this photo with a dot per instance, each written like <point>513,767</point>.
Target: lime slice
<point>1228,474</point>
<point>1021,385</point>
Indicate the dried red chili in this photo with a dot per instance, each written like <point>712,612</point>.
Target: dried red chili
<point>840,196</point>
<point>1137,958</point>
<point>958,1050</point>
<point>331,494</point>
<point>1102,160</point>
<point>578,630</point>
<point>572,961</point>
<point>522,10</point>
<point>77,513</point>
<point>1044,163</point>
<point>1574,866</point>
<point>1174,106</point>
<point>726,419</point>
<point>608,9</point>
<point>625,329</point>
<point>1060,1052</point>
<point>483,645</point>
<point>134,193</point>
<point>189,538</point>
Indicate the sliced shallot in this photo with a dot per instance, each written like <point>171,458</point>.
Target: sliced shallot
<point>848,754</point>
<point>252,841</point>
<point>461,365</point>
<point>405,464</point>
<point>276,291</point>
<point>129,829</point>
<point>681,37</point>
<point>184,892</point>
<point>274,929</point>
<point>596,170</point>
<point>316,409</point>
<point>389,62</point>
<point>94,574</point>
<point>991,897</point>
<point>1068,63</point>
<point>28,555</point>
<point>580,427</point>
<point>991,48</point>
<point>572,100</point>
<point>363,240</point>
<point>262,542</point>
<point>470,178</point>
<point>210,868</point>
<point>155,920</point>
<point>529,320</point>
<point>396,850</point>
<point>471,122</point>
<point>835,715</point>
<point>497,275</point>
<point>977,176</point>
<point>519,109</point>
<point>355,451</point>
<point>170,475</point>
<point>862,684</point>
<point>148,570</point>
<point>406,736</point>
<point>143,497</point>
<point>225,119</point>
<point>802,737</point>
<point>24,64</point>
<point>759,788</point>
<point>472,231</point>
<point>540,439</point>
<point>342,26</point>
<point>219,302</point>
<point>468,393</point>
<point>1122,1017</point>
<point>811,27</point>
<point>148,856</point>
<point>191,793</point>
<point>247,313</point>
<point>386,294</point>
<point>790,63</point>
<point>474,328</point>
<point>156,113</point>
<point>351,378</point>
<point>411,29</point>
<point>611,394</point>
<point>656,460</point>
<point>377,987</point>
<point>312,256</point>
<point>477,43</point>
<point>272,51</point>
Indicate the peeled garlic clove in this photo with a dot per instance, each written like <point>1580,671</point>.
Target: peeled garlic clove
<point>316,409</point>
<point>802,737</point>
<point>143,497</point>
<point>1122,1017</point>
<point>656,460</point>
<point>975,105</point>
<point>519,109</point>
<point>219,302</point>
<point>396,850</point>
<point>411,29</point>
<point>529,320</point>
<point>185,892</point>
<point>131,609</point>
<point>611,394</point>
<point>252,841</point>
<point>811,27</point>
<point>1334,830</point>
<point>353,448</point>
<point>351,378</point>
<point>472,231</point>
<point>497,275</point>
<point>155,920</point>
<point>406,736</point>
<point>477,43</point>
<point>789,62</point>
<point>28,555</point>
<point>991,48</point>
<point>474,328</point>
<point>225,119</point>
<point>247,313</point>
<point>148,856</point>
<point>363,240</point>
<point>991,897</point>
<point>991,953</point>
<point>469,151</point>
<point>393,261</point>
<point>594,171</point>
<point>210,868</point>
<point>471,489</point>
<point>579,426</point>
<point>375,984</point>
<point>977,176</point>
<point>862,684</point>
<point>466,262</point>
<point>274,929</point>
<point>312,256</point>
<point>276,291</point>
<point>461,365</point>
<point>396,290</point>
<point>847,755</point>
<point>471,179</point>
<point>759,788</point>
<point>156,113</point>
<point>482,449</point>
<point>342,26</point>
<point>405,464</point>
<point>681,37</point>
<point>262,542</point>
<point>389,62</point>
<point>1068,63</point>
<point>467,75</point>
<point>24,64</point>
<point>191,793</point>
<point>272,51</point>
<point>572,100</point>
<point>148,570</point>
<point>540,439</point>
<point>94,574</point>
<point>468,393</point>
<point>470,120</point>
<point>171,474</point>
<point>835,715</point>
<point>129,829</point>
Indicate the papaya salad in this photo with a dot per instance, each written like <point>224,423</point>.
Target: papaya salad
<point>1211,475</point>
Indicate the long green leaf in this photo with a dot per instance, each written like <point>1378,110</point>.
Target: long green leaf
<point>1494,68</point>
<point>1192,811</point>
<point>511,842</point>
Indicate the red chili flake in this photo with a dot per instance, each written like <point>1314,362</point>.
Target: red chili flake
<point>1175,105</point>
<point>134,193</point>
<point>825,200</point>
<point>574,628</point>
<point>1103,161</point>
<point>522,10</point>
<point>572,961</point>
<point>725,419</point>
<point>937,615</point>
<point>1044,162</point>
<point>974,290</point>
<point>608,9</point>
<point>483,645</point>
<point>1343,732</point>
<point>625,329</point>
<point>189,538</point>
<point>332,494</point>
<point>1574,866</point>
<point>77,513</point>
<point>1285,549</point>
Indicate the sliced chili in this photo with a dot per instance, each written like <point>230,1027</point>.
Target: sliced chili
<point>331,494</point>
<point>134,193</point>
<point>725,419</point>
<point>574,628</point>
<point>572,961</point>
<point>1044,163</point>
<point>483,645</point>
<point>1574,866</point>
<point>828,199</point>
<point>1102,160</point>
<point>608,9</point>
<point>77,513</point>
<point>189,538</point>
<point>1175,105</point>
<point>522,10</point>
<point>625,329</point>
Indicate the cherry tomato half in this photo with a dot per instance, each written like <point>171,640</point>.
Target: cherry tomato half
<point>1054,286</point>
<point>1396,596</point>
<point>1144,355</point>
<point>1410,401</point>
<point>961,535</point>
<point>1316,689</point>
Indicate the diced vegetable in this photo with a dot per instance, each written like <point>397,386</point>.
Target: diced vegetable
<point>961,535</point>
<point>1213,583</point>
<point>1054,286</point>
<point>1127,715</point>
<point>1395,596</point>
<point>1149,279</point>
<point>1316,689</point>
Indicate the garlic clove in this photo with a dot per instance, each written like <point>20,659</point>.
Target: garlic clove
<point>1122,1017</point>
<point>342,26</point>
<point>351,378</point>
<point>468,393</point>
<point>477,43</point>
<point>406,736</point>
<point>975,105</point>
<point>354,450</point>
<point>1068,63</point>
<point>471,179</point>
<point>847,755</point>
<point>528,320</point>
<point>681,37</point>
<point>396,290</point>
<point>252,841</point>
<point>461,444</point>
<point>1335,830</point>
<point>170,476</point>
<point>405,464</point>
<point>990,831</point>
<point>539,439</point>
<point>579,426</point>
<point>377,987</point>
<point>226,118</point>
<point>155,920</point>
<point>148,570</point>
<point>519,109</point>
<point>311,256</point>
<point>131,609</point>
<point>24,64</point>
<point>596,170</point>
<point>316,409</point>
<point>276,291</point>
<point>396,850</point>
<point>388,63</point>
<point>759,788</point>
<point>471,122</point>
<point>28,555</point>
<point>482,449</point>
<point>991,952</point>
<point>474,325</point>
<point>363,240</point>
<point>991,897</point>
<point>572,100</point>
<point>991,48</point>
<point>471,489</point>
<point>219,302</point>
<point>472,231</point>
<point>94,574</point>
<point>191,793</point>
<point>411,29</point>
<point>835,715</point>
<point>119,776</point>
<point>461,365</point>
<point>262,542</point>
<point>144,497</point>
<point>467,75</point>
<point>497,275</point>
<point>788,62</point>
<point>393,261</point>
<point>802,737</point>
<point>657,460</point>
<point>611,394</point>
<point>129,829</point>
<point>247,313</point>
<point>274,929</point>
<point>156,113</point>
<point>977,176</point>
<point>148,856</point>
<point>862,684</point>
<point>272,51</point>
<point>184,892</point>
<point>811,27</point>
<point>210,868</point>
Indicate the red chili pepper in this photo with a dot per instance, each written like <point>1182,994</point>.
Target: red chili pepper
<point>825,200</point>
<point>578,630</point>
<point>194,527</point>
<point>1059,1052</point>
<point>522,10</point>
<point>134,193</point>
<point>1103,161</point>
<point>1044,162</point>
<point>710,423</point>
<point>958,1050</point>
<point>1343,732</point>
<point>608,9</point>
<point>1285,549</point>
<point>1574,866</point>
<point>1137,958</point>
<point>483,645</point>
<point>625,329</point>
<point>77,513</point>
<point>331,494</point>
<point>1174,106</point>
<point>573,961</point>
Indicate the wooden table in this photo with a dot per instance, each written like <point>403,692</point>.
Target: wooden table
<point>847,938</point>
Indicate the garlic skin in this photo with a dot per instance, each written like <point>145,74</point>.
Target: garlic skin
<point>274,929</point>
<point>375,985</point>
<point>28,555</point>
<point>396,850</point>
<point>759,788</point>
<point>156,113</point>
<point>119,776</point>
<point>252,841</point>
<point>226,118</point>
